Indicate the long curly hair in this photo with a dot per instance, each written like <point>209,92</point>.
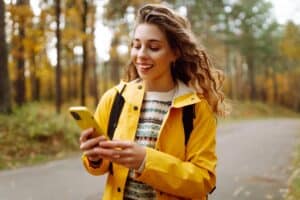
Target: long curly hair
<point>193,65</point>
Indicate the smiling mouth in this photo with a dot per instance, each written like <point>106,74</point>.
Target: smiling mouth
<point>144,66</point>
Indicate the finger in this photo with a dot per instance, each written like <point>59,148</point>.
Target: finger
<point>86,134</point>
<point>109,154</point>
<point>126,161</point>
<point>124,153</point>
<point>102,139</point>
<point>90,143</point>
<point>94,152</point>
<point>116,144</point>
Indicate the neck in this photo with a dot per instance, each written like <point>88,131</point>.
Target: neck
<point>159,86</point>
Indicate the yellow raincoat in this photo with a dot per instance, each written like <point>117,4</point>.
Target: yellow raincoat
<point>173,169</point>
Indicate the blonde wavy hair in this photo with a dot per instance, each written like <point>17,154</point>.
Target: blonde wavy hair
<point>193,65</point>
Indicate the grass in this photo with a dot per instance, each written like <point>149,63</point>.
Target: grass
<point>33,134</point>
<point>294,179</point>
<point>256,110</point>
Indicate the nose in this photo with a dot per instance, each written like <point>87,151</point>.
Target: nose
<point>142,52</point>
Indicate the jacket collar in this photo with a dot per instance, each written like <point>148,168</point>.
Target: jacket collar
<point>184,95</point>
<point>134,93</point>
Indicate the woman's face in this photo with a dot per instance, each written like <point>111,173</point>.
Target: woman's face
<point>151,54</point>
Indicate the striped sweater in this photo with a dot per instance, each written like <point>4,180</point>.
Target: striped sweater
<point>154,108</point>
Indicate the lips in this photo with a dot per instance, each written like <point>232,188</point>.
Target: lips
<point>144,65</point>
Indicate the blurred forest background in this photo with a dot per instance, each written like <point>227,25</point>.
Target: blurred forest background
<point>261,58</point>
<point>49,59</point>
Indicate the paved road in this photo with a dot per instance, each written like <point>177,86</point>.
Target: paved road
<point>254,160</point>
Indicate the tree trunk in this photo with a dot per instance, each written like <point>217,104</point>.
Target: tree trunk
<point>75,75</point>
<point>114,63</point>
<point>93,62</point>
<point>20,81</point>
<point>238,76</point>
<point>58,100</point>
<point>251,77</point>
<point>34,79</point>
<point>228,70</point>
<point>275,87</point>
<point>69,74</point>
<point>84,61</point>
<point>95,78</point>
<point>5,93</point>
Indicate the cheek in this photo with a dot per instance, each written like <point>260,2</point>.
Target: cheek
<point>162,58</point>
<point>132,53</point>
<point>158,56</point>
<point>133,56</point>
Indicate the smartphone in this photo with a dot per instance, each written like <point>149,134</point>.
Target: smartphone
<point>84,119</point>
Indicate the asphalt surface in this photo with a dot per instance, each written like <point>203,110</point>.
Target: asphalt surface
<point>255,159</point>
<point>254,164</point>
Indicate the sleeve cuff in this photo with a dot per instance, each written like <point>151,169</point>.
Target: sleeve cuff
<point>142,166</point>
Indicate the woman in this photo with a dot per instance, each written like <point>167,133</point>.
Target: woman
<point>148,154</point>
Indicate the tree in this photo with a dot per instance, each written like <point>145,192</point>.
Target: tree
<point>85,53</point>
<point>23,10</point>
<point>5,97</point>
<point>251,21</point>
<point>93,63</point>
<point>58,99</point>
<point>204,15</point>
<point>34,44</point>
<point>290,43</point>
<point>290,49</point>
<point>72,38</point>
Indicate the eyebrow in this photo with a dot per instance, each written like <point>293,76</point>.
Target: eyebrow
<point>151,40</point>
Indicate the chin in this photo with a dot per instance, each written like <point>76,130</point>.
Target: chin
<point>144,77</point>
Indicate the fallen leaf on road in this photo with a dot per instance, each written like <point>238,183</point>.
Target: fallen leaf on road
<point>247,193</point>
<point>269,196</point>
<point>238,191</point>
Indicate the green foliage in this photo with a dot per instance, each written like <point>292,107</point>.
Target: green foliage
<point>204,15</point>
<point>249,110</point>
<point>294,179</point>
<point>34,133</point>
<point>290,43</point>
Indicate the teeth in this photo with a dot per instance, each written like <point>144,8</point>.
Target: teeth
<point>145,66</point>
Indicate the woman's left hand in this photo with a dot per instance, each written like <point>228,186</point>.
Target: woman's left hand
<point>126,153</point>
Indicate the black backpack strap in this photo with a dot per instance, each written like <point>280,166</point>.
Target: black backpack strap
<point>115,113</point>
<point>114,116</point>
<point>188,115</point>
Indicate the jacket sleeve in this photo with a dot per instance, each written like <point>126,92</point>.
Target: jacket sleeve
<point>101,115</point>
<point>195,177</point>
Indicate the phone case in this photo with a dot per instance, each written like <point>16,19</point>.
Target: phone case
<point>84,118</point>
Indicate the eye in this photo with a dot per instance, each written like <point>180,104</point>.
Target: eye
<point>154,48</point>
<point>135,45</point>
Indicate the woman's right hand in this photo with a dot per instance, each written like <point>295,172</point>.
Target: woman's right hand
<point>89,145</point>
